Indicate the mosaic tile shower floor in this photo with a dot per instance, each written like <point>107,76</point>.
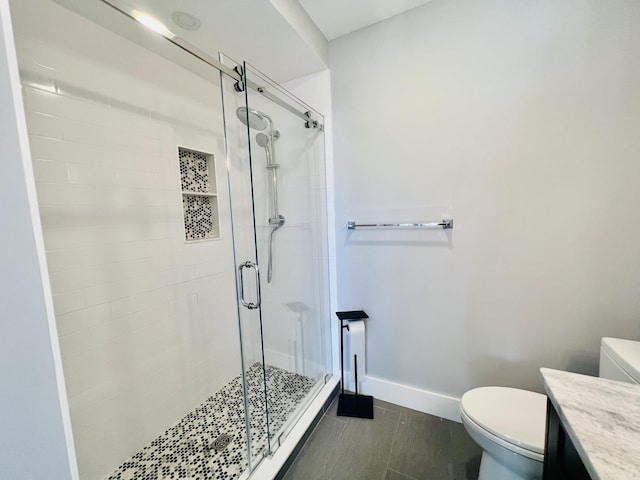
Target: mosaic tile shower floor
<point>183,451</point>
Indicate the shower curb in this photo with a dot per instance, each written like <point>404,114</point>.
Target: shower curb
<point>312,426</point>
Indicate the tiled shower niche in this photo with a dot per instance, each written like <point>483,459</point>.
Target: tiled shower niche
<point>199,198</point>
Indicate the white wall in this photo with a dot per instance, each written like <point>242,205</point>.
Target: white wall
<point>36,436</point>
<point>520,120</point>
<point>147,323</point>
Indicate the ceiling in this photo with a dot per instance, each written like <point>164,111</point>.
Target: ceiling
<point>339,17</point>
<point>283,38</point>
<point>252,30</point>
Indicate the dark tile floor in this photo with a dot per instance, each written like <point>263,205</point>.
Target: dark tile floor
<point>399,444</point>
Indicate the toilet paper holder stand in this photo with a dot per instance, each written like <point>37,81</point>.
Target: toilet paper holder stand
<point>349,404</point>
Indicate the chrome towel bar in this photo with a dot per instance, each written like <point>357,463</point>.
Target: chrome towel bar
<point>444,224</point>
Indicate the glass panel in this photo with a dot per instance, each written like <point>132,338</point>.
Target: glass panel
<point>248,269</point>
<point>288,186</point>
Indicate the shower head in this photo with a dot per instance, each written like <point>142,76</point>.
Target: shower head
<point>256,119</point>
<point>263,140</point>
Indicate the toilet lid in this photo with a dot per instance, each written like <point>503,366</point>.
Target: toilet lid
<point>516,416</point>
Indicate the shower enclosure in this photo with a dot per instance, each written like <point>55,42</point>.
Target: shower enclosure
<point>270,196</point>
<point>183,211</point>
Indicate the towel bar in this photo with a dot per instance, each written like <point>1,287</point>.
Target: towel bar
<point>444,224</point>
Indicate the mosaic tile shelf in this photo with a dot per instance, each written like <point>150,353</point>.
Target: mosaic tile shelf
<point>200,217</point>
<point>199,201</point>
<point>194,170</point>
<point>184,450</point>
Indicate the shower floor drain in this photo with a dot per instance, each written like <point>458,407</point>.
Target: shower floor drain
<point>221,442</point>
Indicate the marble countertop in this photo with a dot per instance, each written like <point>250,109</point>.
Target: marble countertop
<point>602,418</point>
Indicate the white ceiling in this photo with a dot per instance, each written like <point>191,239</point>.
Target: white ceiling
<point>339,17</point>
<point>252,30</point>
<point>279,37</point>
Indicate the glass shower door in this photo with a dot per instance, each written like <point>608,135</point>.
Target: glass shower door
<point>287,149</point>
<point>248,271</point>
<point>275,161</point>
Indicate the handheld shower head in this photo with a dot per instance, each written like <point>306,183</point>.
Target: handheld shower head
<point>263,140</point>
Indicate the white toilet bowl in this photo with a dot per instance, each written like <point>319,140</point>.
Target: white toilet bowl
<point>509,425</point>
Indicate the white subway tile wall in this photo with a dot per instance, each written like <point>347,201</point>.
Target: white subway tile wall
<point>147,322</point>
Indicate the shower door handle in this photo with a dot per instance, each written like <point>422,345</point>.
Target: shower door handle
<point>242,266</point>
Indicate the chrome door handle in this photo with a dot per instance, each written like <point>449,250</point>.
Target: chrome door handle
<point>249,305</point>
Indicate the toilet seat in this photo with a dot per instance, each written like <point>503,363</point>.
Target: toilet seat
<point>512,418</point>
<point>471,425</point>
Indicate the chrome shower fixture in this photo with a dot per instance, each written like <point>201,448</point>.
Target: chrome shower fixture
<point>275,222</point>
<point>253,118</point>
<point>258,120</point>
<point>265,141</point>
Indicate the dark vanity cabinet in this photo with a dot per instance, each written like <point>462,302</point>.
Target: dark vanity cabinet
<point>561,459</point>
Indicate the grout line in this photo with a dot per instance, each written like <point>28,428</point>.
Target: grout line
<point>395,437</point>
<point>451,467</point>
<point>307,443</point>
<point>386,409</point>
<point>333,447</point>
<point>400,473</point>
<point>327,413</point>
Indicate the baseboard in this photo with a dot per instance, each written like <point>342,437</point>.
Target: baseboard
<point>425,401</point>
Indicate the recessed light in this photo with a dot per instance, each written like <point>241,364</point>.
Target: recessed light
<point>186,20</point>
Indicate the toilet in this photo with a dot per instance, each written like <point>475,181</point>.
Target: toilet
<point>509,424</point>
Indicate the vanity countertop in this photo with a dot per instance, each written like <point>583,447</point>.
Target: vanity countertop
<point>602,418</point>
